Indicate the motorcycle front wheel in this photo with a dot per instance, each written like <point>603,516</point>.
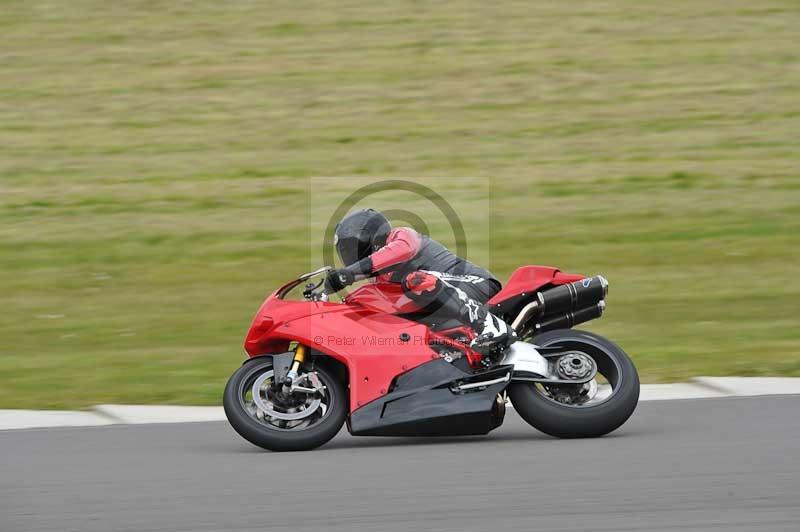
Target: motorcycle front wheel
<point>580,410</point>
<point>259,410</point>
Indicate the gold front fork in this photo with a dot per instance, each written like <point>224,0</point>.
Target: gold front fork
<point>299,358</point>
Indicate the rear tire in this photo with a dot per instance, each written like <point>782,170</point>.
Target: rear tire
<point>273,438</point>
<point>591,420</point>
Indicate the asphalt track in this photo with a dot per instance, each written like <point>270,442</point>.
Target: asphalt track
<point>700,465</point>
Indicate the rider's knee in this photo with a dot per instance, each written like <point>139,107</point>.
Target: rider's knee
<point>421,285</point>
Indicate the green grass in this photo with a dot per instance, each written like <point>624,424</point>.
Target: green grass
<point>155,161</point>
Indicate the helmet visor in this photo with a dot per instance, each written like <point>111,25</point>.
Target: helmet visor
<point>352,250</point>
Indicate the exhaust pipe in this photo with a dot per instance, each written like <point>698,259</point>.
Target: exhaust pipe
<point>572,296</point>
<point>570,319</point>
<point>565,298</point>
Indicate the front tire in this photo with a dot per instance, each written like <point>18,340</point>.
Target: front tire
<point>256,426</point>
<point>581,421</point>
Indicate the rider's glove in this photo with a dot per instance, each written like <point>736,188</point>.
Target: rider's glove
<point>338,279</point>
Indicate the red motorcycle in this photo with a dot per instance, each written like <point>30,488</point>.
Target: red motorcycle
<point>377,362</point>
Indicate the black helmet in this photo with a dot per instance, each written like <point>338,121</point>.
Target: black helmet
<point>359,234</point>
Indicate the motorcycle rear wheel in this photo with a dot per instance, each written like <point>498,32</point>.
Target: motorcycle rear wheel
<point>254,424</point>
<point>542,409</point>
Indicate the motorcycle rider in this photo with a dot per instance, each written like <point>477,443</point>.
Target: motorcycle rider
<point>430,275</point>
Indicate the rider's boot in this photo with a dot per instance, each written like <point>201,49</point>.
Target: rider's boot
<point>494,336</point>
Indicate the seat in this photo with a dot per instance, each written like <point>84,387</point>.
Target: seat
<point>525,282</point>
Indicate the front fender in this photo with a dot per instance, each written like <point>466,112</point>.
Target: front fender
<point>281,362</point>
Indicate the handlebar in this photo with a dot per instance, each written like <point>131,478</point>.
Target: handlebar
<point>312,291</point>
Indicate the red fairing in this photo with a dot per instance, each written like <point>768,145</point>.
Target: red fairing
<point>273,312</point>
<point>532,278</point>
<point>375,347</point>
<point>383,297</point>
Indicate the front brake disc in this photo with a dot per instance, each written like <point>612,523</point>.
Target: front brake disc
<point>266,405</point>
